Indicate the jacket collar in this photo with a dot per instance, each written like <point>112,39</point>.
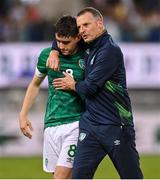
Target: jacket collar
<point>96,41</point>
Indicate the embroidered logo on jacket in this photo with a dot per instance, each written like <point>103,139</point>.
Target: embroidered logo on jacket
<point>82,136</point>
<point>117,142</point>
<point>92,60</point>
<point>87,51</point>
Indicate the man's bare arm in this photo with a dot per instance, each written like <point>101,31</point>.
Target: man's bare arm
<point>31,94</point>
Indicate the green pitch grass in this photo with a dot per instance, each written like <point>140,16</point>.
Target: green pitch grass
<point>31,168</point>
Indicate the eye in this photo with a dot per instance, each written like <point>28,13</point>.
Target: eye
<point>86,24</point>
<point>66,42</point>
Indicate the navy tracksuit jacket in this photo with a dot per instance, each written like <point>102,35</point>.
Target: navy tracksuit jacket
<point>104,87</point>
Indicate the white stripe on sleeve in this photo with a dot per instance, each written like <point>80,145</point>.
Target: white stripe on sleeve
<point>39,74</point>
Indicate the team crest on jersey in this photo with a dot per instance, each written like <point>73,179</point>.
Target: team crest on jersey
<point>82,136</point>
<point>81,64</point>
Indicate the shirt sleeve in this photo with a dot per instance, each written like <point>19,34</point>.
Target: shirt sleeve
<point>39,74</point>
<point>54,46</point>
<point>105,64</point>
<point>41,64</point>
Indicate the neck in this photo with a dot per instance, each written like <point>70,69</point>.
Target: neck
<point>74,51</point>
<point>104,30</point>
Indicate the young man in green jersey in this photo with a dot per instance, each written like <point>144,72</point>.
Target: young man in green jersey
<point>64,108</point>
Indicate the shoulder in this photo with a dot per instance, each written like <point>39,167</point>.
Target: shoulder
<point>109,50</point>
<point>41,64</point>
<point>109,46</point>
<point>43,56</point>
<point>45,53</point>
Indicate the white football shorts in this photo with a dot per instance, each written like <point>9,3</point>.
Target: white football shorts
<point>59,146</point>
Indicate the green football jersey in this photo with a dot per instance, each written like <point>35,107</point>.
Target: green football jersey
<point>62,106</point>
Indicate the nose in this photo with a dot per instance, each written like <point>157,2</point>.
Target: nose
<point>81,30</point>
<point>61,45</point>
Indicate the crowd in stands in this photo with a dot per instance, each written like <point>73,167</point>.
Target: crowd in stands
<point>131,20</point>
<point>23,22</point>
<point>126,20</point>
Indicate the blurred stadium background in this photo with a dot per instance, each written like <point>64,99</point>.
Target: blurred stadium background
<point>27,26</point>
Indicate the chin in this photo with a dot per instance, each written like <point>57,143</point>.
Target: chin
<point>87,40</point>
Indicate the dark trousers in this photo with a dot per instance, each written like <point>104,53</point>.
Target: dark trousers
<point>118,142</point>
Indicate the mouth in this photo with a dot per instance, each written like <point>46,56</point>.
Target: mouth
<point>63,51</point>
<point>84,36</point>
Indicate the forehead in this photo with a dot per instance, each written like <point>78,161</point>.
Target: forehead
<point>63,38</point>
<point>86,17</point>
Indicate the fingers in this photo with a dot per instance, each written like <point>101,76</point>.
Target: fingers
<point>52,64</point>
<point>26,132</point>
<point>66,83</point>
<point>58,80</point>
<point>26,128</point>
<point>56,65</point>
<point>58,83</point>
<point>53,60</point>
<point>30,126</point>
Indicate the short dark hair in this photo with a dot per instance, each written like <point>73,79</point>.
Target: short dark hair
<point>66,26</point>
<point>96,13</point>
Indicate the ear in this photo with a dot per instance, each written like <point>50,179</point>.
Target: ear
<point>100,22</point>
